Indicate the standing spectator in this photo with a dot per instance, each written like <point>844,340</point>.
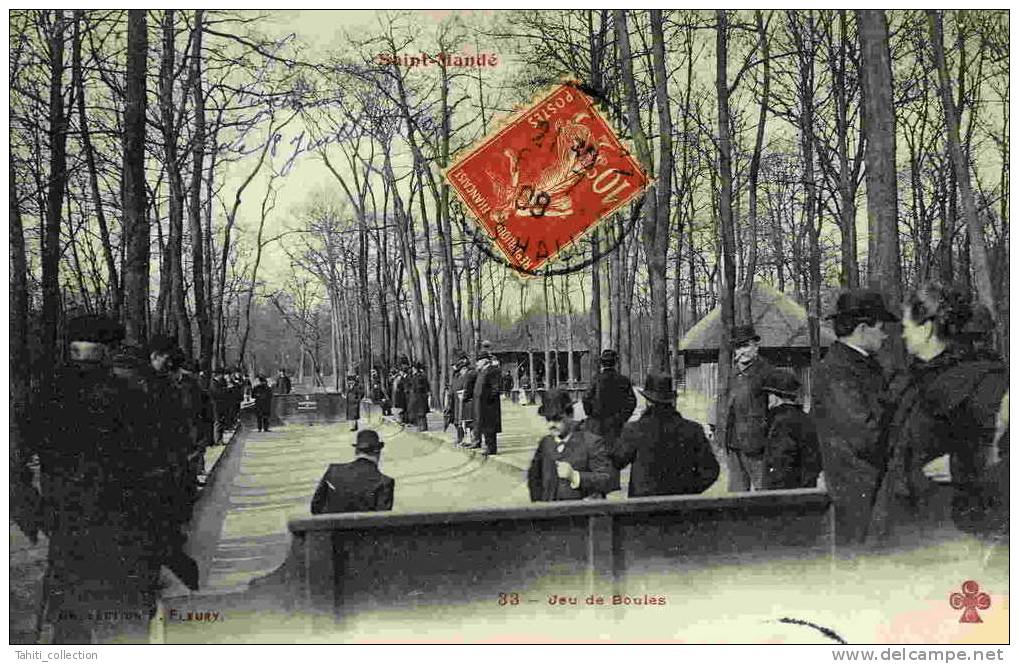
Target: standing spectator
<point>417,388</point>
<point>283,384</point>
<point>570,463</point>
<point>453,412</point>
<point>357,486</point>
<point>949,404</point>
<point>352,395</point>
<point>170,442</point>
<point>197,421</point>
<point>219,395</point>
<point>848,410</point>
<point>400,388</point>
<point>487,406</point>
<point>792,457</point>
<point>669,453</point>
<point>262,395</point>
<point>467,410</point>
<point>377,392</point>
<point>746,412</point>
<point>609,402</point>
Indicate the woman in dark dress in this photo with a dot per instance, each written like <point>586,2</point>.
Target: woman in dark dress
<point>951,401</point>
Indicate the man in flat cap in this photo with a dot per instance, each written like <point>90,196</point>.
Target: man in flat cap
<point>746,412</point>
<point>848,409</point>
<point>570,463</point>
<point>357,486</point>
<point>609,401</point>
<point>670,454</point>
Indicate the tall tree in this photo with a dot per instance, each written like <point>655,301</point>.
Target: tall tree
<point>883,270</point>
<point>725,218</point>
<point>960,165</point>
<point>136,223</point>
<point>198,258</point>
<point>56,186</point>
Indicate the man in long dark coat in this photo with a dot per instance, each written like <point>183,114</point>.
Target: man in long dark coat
<point>487,407</point>
<point>849,409</point>
<point>792,459</point>
<point>352,397</point>
<point>357,486</point>
<point>569,463</point>
<point>454,411</point>
<point>609,402</point>
<point>746,412</point>
<point>417,397</point>
<point>262,394</point>
<point>670,454</point>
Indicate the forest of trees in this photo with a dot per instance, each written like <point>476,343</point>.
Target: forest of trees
<point>150,152</point>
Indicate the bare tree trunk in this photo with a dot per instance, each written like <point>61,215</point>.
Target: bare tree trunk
<point>978,248</point>
<point>847,185</point>
<point>655,226</point>
<point>175,239</point>
<point>725,218</point>
<point>198,254</point>
<point>136,223</point>
<point>55,190</point>
<point>20,361</point>
<point>883,271</point>
<point>90,161</point>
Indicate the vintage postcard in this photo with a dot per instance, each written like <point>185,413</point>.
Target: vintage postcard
<point>573,326</point>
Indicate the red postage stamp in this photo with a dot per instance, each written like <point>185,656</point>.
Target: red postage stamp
<point>546,177</point>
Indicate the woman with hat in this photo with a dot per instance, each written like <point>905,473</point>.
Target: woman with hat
<point>669,453</point>
<point>951,402</point>
<point>570,463</point>
<point>792,457</point>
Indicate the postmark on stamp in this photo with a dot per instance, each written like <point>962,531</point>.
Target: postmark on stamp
<point>546,178</point>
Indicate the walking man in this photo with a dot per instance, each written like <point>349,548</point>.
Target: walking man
<point>746,412</point>
<point>609,403</point>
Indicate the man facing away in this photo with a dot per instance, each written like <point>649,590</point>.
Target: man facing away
<point>357,486</point>
<point>792,459</point>
<point>746,412</point>
<point>848,410</point>
<point>670,454</point>
<point>262,394</point>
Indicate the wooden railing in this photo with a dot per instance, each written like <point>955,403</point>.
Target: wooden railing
<point>340,563</point>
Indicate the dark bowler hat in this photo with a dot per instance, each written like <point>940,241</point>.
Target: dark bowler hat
<point>658,388</point>
<point>556,404</point>
<point>782,383</point>
<point>368,441</point>
<point>608,358</point>
<point>862,303</point>
<point>744,334</point>
<point>94,328</point>
<point>486,349</point>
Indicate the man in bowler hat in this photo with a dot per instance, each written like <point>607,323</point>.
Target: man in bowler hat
<point>792,458</point>
<point>357,486</point>
<point>610,401</point>
<point>669,453</point>
<point>746,412</point>
<point>570,463</point>
<point>849,407</point>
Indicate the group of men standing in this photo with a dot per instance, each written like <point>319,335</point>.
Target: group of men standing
<point>473,403</point>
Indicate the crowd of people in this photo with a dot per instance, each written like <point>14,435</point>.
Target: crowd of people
<point>120,434</point>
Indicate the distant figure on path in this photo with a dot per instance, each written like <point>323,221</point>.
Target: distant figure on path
<point>352,396</point>
<point>418,390</point>
<point>283,384</point>
<point>262,395</point>
<point>669,453</point>
<point>357,486</point>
